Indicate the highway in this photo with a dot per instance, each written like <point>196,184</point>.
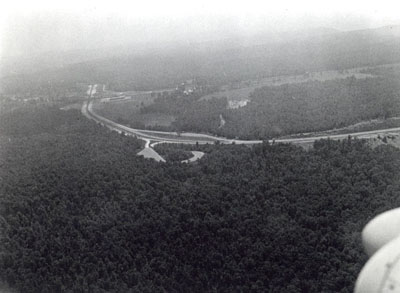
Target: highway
<point>155,136</point>
<point>152,137</point>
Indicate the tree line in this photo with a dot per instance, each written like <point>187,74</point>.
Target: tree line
<point>274,111</point>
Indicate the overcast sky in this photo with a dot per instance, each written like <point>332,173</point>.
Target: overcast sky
<point>30,27</point>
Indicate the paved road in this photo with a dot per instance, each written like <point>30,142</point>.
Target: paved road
<point>151,137</point>
<point>196,156</point>
<point>155,136</point>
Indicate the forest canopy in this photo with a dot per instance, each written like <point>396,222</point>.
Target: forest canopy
<point>80,212</point>
<point>275,111</point>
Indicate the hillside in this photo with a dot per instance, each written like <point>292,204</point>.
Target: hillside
<point>221,64</point>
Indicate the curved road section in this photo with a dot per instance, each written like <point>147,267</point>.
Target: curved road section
<point>196,156</point>
<point>151,137</point>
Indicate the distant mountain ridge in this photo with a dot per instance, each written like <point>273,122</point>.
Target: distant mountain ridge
<point>219,62</point>
<point>52,59</point>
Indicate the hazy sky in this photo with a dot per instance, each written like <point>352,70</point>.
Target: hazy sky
<point>30,27</point>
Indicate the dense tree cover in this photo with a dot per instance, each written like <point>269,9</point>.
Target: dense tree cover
<point>287,109</point>
<point>27,121</point>
<point>80,212</point>
<point>173,153</point>
<point>314,106</point>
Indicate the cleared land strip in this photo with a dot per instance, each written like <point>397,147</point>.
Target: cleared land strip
<point>362,134</point>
